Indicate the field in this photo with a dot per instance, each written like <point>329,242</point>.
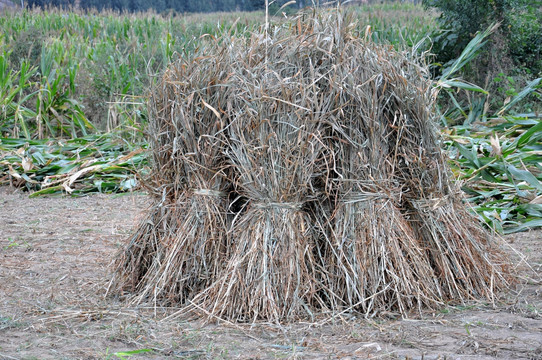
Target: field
<point>73,117</point>
<point>54,270</point>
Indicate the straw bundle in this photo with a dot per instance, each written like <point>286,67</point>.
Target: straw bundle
<point>399,235</point>
<point>270,274</point>
<point>378,263</point>
<point>274,145</point>
<point>299,171</point>
<point>179,249</point>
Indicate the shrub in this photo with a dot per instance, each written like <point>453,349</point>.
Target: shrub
<point>520,30</point>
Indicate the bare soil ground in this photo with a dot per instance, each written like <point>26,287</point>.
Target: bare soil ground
<point>54,258</point>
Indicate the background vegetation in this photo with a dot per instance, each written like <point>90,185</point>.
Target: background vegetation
<point>73,87</point>
<point>157,5</point>
<point>516,43</point>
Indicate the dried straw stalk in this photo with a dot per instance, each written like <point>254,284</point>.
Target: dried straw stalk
<point>388,251</point>
<point>180,248</point>
<point>273,147</point>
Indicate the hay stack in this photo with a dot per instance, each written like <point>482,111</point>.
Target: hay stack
<point>299,172</point>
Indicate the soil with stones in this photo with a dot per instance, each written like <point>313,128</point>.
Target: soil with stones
<point>55,255</point>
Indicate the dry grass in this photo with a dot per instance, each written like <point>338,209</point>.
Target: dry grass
<point>298,171</point>
<point>178,250</point>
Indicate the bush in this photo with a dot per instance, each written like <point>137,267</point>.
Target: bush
<point>519,36</point>
<point>525,37</point>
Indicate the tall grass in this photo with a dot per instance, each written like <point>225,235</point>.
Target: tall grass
<point>65,74</point>
<point>401,24</point>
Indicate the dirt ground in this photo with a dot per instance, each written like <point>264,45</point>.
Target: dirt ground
<point>54,258</point>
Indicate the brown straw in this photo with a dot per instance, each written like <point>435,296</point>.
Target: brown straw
<point>298,172</point>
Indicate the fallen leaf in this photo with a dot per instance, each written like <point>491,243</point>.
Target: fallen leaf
<point>27,164</point>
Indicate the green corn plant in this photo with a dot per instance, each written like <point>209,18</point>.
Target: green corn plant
<point>95,163</point>
<point>402,25</point>
<point>499,159</point>
<point>112,55</point>
<point>127,116</point>
<point>531,87</point>
<point>167,45</point>
<point>448,81</point>
<point>15,91</point>
<point>501,170</point>
<point>59,114</point>
<point>123,355</point>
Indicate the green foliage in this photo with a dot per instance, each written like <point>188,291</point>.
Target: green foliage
<point>520,30</point>
<point>14,96</point>
<point>451,83</point>
<point>497,158</point>
<point>401,24</point>
<point>94,163</point>
<point>68,74</point>
<point>525,36</point>
<point>123,355</point>
<point>499,163</point>
<point>157,5</point>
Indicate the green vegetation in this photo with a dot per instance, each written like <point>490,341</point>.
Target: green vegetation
<point>69,74</point>
<point>495,145</point>
<point>509,60</point>
<point>519,38</point>
<point>95,163</point>
<point>82,79</point>
<point>159,5</point>
<point>499,163</point>
<point>123,355</point>
<point>401,24</point>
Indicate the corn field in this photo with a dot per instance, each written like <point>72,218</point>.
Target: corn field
<point>69,74</point>
<point>74,88</point>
